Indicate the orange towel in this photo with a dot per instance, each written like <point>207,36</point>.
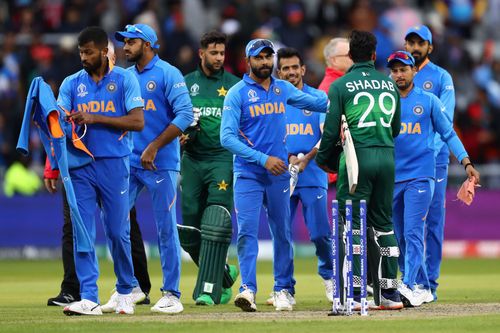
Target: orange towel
<point>466,191</point>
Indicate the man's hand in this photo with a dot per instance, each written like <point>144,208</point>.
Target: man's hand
<point>300,160</point>
<point>81,118</point>
<point>326,168</point>
<point>148,157</point>
<point>275,166</point>
<point>50,185</point>
<point>183,139</point>
<point>472,172</point>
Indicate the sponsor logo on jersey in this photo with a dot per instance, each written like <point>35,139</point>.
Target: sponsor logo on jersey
<point>427,85</point>
<point>410,128</point>
<point>194,90</point>
<point>111,87</point>
<point>266,109</point>
<point>252,96</point>
<point>82,90</point>
<point>418,110</point>
<point>151,85</point>
<point>179,84</point>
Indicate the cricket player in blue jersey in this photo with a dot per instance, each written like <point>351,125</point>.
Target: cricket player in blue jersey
<point>422,117</point>
<point>304,130</point>
<point>436,80</point>
<point>107,100</point>
<point>254,129</point>
<point>155,160</point>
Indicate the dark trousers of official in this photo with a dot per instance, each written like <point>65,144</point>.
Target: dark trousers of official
<point>70,283</point>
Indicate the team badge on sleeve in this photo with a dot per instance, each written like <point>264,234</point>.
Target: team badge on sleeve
<point>418,110</point>
<point>151,85</point>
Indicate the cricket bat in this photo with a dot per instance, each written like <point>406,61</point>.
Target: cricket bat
<point>351,159</point>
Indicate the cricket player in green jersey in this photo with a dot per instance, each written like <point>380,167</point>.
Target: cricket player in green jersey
<point>370,102</point>
<point>207,176</point>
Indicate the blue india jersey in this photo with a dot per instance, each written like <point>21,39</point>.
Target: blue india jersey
<point>303,133</point>
<point>166,101</point>
<point>438,81</point>
<point>422,118</point>
<point>253,120</point>
<point>114,96</point>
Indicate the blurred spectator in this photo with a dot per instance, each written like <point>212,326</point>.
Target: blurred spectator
<point>462,15</point>
<point>19,179</point>
<point>295,31</point>
<point>401,17</point>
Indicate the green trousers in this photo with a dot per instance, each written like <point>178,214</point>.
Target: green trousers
<point>204,183</point>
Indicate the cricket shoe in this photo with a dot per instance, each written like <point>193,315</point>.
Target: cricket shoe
<point>125,304</point>
<point>62,299</point>
<point>246,300</point>
<point>227,293</point>
<point>270,300</point>
<point>369,290</point>
<point>429,297</point>
<point>282,300</point>
<point>329,289</point>
<point>83,307</point>
<point>388,301</point>
<point>411,298</point>
<point>169,304</point>
<point>204,299</point>
<point>136,294</point>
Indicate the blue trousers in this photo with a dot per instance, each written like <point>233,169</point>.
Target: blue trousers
<point>250,195</point>
<point>314,208</point>
<point>434,229</point>
<point>104,181</point>
<point>162,185</point>
<point>410,207</point>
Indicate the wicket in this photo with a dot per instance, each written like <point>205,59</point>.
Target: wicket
<point>347,269</point>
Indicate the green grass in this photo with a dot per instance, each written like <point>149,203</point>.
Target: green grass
<point>26,285</point>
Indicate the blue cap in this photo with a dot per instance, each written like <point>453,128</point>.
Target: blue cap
<point>142,31</point>
<point>422,31</point>
<point>255,46</point>
<point>401,56</point>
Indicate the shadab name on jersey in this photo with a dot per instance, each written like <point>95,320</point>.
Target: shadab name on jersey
<point>369,85</point>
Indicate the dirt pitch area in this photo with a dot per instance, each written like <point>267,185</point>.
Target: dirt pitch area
<point>427,311</point>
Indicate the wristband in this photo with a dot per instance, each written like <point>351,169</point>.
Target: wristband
<point>467,164</point>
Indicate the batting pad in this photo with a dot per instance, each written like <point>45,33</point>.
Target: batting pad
<point>216,233</point>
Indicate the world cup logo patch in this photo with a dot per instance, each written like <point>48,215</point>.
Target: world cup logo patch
<point>151,85</point>
<point>252,96</point>
<point>111,87</point>
<point>427,85</point>
<point>195,89</point>
<point>418,110</point>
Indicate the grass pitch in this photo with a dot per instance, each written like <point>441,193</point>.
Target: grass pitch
<point>469,300</point>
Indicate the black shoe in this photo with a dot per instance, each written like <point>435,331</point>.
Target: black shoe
<point>146,301</point>
<point>62,299</point>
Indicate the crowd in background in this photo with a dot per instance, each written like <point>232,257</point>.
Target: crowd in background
<point>38,38</point>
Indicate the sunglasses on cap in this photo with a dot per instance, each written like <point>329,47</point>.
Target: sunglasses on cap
<point>402,56</point>
<point>260,43</point>
<point>132,28</point>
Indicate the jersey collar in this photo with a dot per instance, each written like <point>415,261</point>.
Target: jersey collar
<point>216,76</point>
<point>249,80</point>
<point>422,65</point>
<point>366,64</point>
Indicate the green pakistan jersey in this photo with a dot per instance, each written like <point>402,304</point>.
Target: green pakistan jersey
<point>370,102</point>
<point>207,93</point>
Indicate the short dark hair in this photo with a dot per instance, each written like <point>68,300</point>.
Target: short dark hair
<point>211,37</point>
<point>93,34</point>
<point>362,45</point>
<point>289,52</point>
